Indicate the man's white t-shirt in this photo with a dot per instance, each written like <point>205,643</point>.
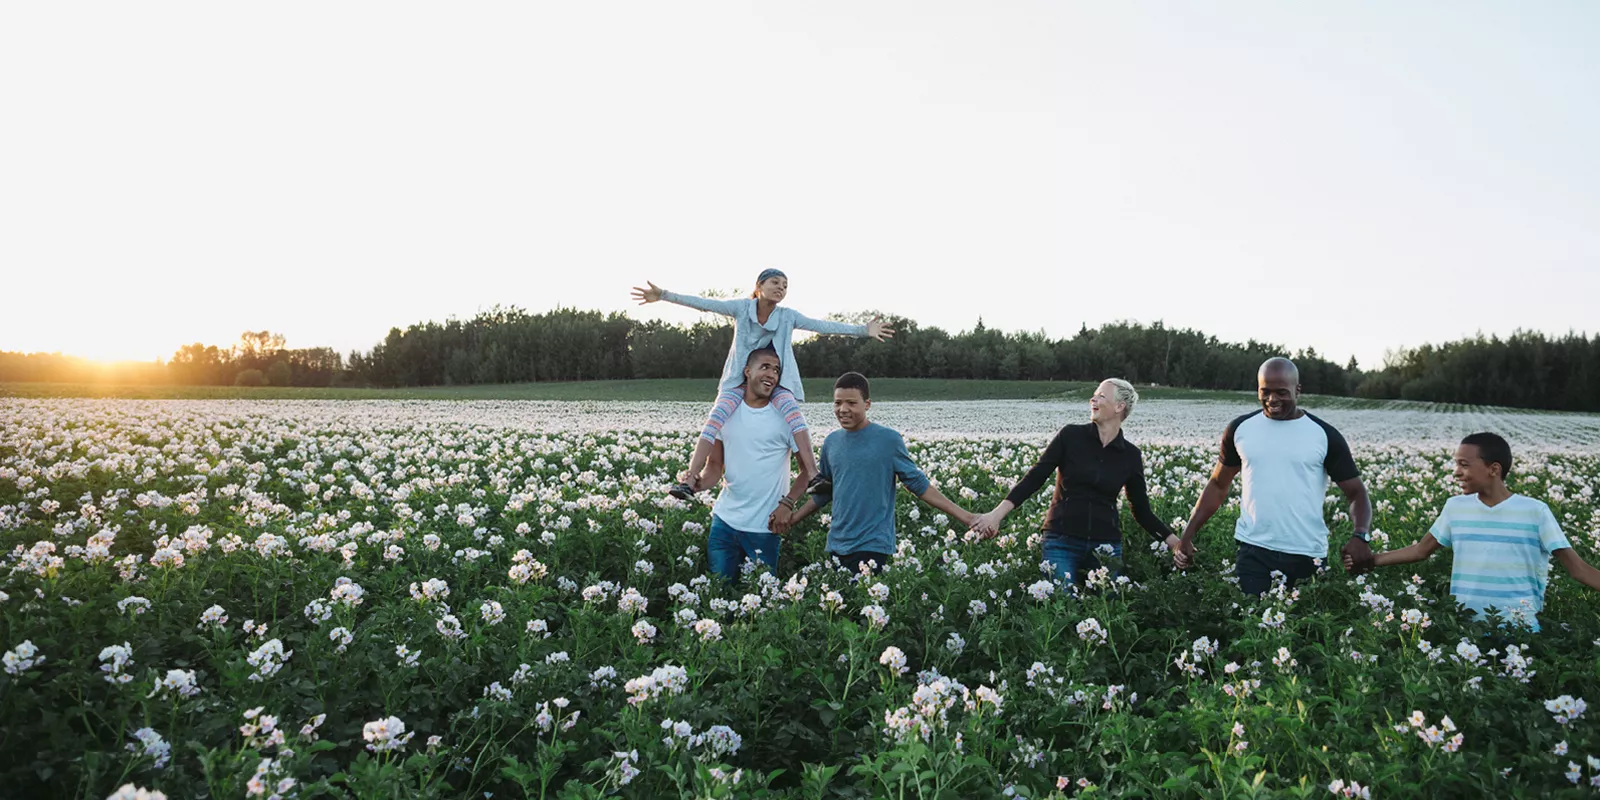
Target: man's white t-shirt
<point>1285,467</point>
<point>756,443</point>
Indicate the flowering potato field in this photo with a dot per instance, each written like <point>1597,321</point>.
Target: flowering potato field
<point>396,599</point>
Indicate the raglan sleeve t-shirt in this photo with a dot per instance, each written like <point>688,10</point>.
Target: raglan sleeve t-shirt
<point>1285,467</point>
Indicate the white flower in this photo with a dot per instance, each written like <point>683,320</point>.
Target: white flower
<point>632,602</point>
<point>115,659</point>
<point>709,630</point>
<point>877,618</point>
<point>492,612</point>
<point>407,656</point>
<point>955,644</point>
<point>449,626</point>
<point>318,612</point>
<point>644,632</point>
<point>1042,590</point>
<point>894,659</point>
<point>131,792</point>
<point>149,743</point>
<point>23,658</point>
<point>667,680</point>
<point>214,616</point>
<point>1566,708</point>
<point>138,604</point>
<point>341,637</point>
<point>431,590</point>
<point>1090,631</point>
<point>385,734</point>
<point>181,681</point>
<point>347,593</point>
<point>268,659</point>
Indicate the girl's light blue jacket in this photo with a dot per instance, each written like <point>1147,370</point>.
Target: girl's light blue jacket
<point>750,335</point>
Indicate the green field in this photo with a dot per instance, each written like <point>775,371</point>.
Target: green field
<point>664,389</point>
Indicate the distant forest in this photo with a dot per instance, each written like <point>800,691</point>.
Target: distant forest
<point>510,345</point>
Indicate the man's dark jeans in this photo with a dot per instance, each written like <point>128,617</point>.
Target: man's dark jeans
<point>1256,564</point>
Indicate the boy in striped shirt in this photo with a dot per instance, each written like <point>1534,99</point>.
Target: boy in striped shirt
<point>1503,541</point>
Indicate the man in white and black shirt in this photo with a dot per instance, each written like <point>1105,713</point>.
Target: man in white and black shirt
<point>1287,457</point>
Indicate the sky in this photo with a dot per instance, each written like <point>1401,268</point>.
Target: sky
<point>1354,177</point>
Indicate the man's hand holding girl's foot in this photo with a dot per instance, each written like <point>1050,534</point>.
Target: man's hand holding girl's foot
<point>686,487</point>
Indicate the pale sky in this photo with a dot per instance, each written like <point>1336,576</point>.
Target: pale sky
<point>1349,176</point>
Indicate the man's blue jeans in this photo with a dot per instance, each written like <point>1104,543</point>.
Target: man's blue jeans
<point>1072,558</point>
<point>727,549</point>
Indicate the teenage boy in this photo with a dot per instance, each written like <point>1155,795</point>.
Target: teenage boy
<point>860,464</point>
<point>1502,541</point>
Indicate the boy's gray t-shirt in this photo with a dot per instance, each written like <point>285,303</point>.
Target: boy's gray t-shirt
<point>863,466</point>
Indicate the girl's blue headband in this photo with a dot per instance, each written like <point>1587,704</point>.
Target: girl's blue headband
<point>770,273</point>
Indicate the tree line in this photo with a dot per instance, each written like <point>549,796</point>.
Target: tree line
<point>511,345</point>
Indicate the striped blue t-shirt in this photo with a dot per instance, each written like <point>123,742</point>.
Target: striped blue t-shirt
<point>1502,553</point>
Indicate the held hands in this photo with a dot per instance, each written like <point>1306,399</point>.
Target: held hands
<point>781,520</point>
<point>1183,551</point>
<point>967,518</point>
<point>653,294</point>
<point>1357,556</point>
<point>987,525</point>
<point>878,330</point>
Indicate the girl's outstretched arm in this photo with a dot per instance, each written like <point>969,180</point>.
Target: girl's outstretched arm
<point>832,328</point>
<point>655,293</point>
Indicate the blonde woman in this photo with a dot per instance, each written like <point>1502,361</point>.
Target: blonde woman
<point>1093,463</point>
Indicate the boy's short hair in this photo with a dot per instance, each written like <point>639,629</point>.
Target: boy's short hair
<point>854,380</point>
<point>1493,449</point>
<point>760,351</point>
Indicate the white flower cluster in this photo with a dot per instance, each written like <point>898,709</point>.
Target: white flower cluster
<point>22,658</point>
<point>1339,788</point>
<point>1433,735</point>
<point>663,681</point>
<point>1566,709</point>
<point>1090,631</point>
<point>178,681</point>
<point>716,742</point>
<point>130,792</point>
<point>935,698</point>
<point>386,734</point>
<point>149,744</point>
<point>430,591</point>
<point>268,659</point>
<point>115,660</point>
<point>895,660</point>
